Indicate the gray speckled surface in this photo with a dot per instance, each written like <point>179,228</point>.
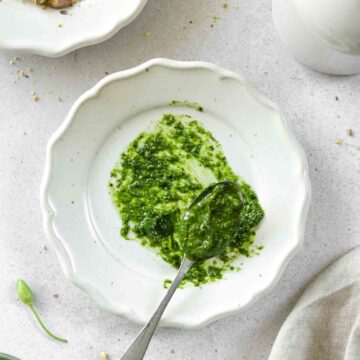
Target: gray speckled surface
<point>243,40</point>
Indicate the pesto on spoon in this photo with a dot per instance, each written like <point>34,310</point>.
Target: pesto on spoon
<point>210,223</point>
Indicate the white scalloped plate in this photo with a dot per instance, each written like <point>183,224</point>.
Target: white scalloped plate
<point>26,27</point>
<point>82,223</point>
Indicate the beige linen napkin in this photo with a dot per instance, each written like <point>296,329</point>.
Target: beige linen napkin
<point>325,323</point>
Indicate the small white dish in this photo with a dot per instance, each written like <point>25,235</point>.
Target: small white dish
<point>28,28</point>
<point>83,224</point>
<point>321,34</point>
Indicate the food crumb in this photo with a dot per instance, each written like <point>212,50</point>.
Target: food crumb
<point>172,351</point>
<point>167,283</point>
<point>225,6</point>
<point>56,296</point>
<point>336,98</point>
<point>45,248</point>
<point>35,97</point>
<point>59,25</point>
<point>104,355</point>
<point>21,73</point>
<point>147,33</point>
<point>339,142</point>
<point>14,60</point>
<point>349,132</point>
<point>215,19</point>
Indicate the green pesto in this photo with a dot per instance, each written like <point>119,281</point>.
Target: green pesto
<point>212,221</point>
<point>156,179</point>
<point>189,104</point>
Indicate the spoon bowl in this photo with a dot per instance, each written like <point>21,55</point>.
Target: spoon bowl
<point>212,220</point>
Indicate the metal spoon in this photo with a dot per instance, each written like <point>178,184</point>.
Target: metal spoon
<point>137,349</point>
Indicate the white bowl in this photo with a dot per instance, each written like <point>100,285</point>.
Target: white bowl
<point>25,27</point>
<point>83,224</point>
<point>310,44</point>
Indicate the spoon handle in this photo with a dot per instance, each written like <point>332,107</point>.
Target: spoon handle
<point>137,349</point>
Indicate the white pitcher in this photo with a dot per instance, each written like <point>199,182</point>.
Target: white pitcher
<point>322,34</point>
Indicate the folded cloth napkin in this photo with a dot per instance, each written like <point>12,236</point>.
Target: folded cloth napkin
<point>325,323</point>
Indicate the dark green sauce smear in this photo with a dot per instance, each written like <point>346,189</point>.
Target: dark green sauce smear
<point>156,179</point>
<point>188,104</point>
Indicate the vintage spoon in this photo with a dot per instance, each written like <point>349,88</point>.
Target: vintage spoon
<point>137,349</point>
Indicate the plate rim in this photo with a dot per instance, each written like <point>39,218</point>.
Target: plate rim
<point>28,46</point>
<point>48,215</point>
